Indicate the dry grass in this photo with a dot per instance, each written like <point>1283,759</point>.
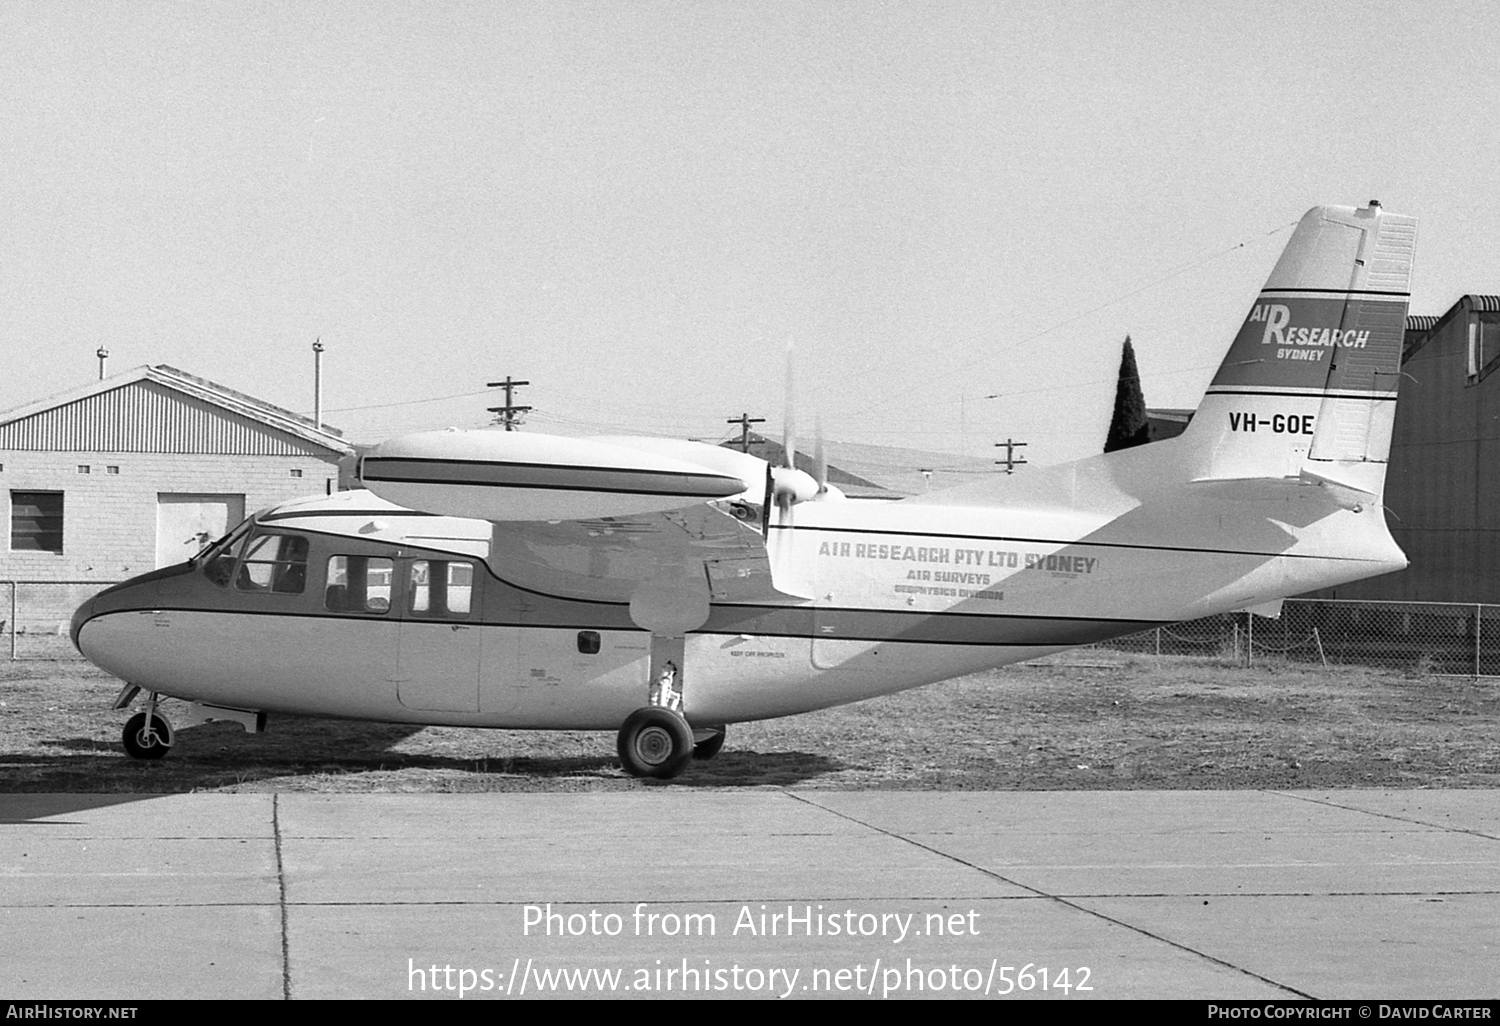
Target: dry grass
<point>1094,721</point>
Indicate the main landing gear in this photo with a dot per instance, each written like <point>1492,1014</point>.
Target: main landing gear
<point>658,742</point>
<point>708,740</point>
<point>655,742</point>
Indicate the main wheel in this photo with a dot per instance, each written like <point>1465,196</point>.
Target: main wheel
<point>709,746</point>
<point>655,742</point>
<point>143,742</point>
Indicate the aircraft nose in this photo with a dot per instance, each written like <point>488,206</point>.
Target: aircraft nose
<point>83,615</point>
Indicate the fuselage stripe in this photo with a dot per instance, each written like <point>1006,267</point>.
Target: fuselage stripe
<point>856,625</point>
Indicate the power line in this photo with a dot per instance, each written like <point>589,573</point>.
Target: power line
<point>407,402</point>
<point>1175,272</point>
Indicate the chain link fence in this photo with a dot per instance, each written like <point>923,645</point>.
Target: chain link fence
<point>1430,637</point>
<point>36,616</point>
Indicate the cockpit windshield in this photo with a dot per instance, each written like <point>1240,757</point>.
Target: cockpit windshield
<point>213,547</point>
<point>217,560</point>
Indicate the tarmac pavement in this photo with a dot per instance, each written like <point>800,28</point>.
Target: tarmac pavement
<point>1210,895</point>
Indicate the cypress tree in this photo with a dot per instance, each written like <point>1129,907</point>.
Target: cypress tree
<point>1129,426</point>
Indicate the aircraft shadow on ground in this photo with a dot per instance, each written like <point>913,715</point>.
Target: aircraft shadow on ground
<point>26,808</point>
<point>295,750</point>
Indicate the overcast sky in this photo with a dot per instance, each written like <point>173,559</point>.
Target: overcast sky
<point>636,206</point>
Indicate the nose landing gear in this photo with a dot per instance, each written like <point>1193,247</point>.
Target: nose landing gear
<point>147,735</point>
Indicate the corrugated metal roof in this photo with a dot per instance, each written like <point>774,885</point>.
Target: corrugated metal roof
<point>1421,328</point>
<point>162,409</point>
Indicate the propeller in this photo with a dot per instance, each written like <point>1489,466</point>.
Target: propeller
<point>790,485</point>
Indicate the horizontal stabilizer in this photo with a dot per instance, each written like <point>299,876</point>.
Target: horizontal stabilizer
<point>1280,489</point>
<point>1270,610</point>
<point>1347,494</point>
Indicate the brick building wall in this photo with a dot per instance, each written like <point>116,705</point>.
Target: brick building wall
<point>110,518</point>
<point>137,471</point>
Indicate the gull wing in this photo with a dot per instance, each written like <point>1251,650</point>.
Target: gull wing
<point>666,526</point>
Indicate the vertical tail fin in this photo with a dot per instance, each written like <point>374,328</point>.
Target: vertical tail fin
<point>1308,389</point>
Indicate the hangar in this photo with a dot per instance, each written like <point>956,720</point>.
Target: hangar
<point>137,471</point>
<point>1442,491</point>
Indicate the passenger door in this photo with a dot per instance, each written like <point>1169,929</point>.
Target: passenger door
<point>439,652</point>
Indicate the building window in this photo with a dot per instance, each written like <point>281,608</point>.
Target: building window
<point>296,473</point>
<point>36,522</point>
<point>1484,346</point>
<point>83,468</point>
<point>111,470</point>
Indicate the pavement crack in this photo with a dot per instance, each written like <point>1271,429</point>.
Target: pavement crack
<point>1329,803</point>
<point>286,964</point>
<point>1075,906</point>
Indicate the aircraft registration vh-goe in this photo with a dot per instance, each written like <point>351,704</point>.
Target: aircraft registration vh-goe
<point>664,589</point>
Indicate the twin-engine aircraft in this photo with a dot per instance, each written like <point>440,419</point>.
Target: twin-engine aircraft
<point>664,589</point>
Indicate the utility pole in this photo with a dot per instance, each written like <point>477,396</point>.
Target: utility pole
<point>318,382</point>
<point>1011,461</point>
<point>744,420</point>
<point>507,413</point>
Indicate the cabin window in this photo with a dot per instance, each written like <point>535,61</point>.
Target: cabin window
<point>440,588</point>
<point>359,584</point>
<point>588,642</point>
<point>36,522</point>
<point>276,563</point>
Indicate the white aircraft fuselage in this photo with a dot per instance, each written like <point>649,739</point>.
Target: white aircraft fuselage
<point>904,594</point>
<point>541,584</point>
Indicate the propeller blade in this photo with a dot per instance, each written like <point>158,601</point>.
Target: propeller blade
<point>788,430</point>
<point>820,460</point>
<point>789,418</point>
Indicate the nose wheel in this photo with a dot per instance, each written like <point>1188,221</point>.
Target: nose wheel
<point>147,735</point>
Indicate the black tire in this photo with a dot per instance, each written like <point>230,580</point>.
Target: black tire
<point>655,742</point>
<point>709,746</point>
<point>141,743</point>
